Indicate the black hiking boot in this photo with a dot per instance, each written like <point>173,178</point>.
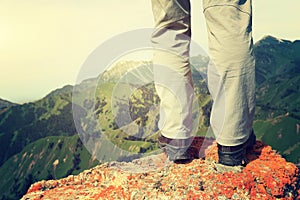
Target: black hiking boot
<point>177,150</point>
<point>236,155</point>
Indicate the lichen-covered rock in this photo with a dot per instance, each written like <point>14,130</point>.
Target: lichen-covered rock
<point>266,176</point>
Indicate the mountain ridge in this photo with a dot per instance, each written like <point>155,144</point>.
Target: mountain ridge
<point>5,105</point>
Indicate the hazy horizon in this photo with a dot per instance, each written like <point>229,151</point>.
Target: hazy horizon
<point>44,44</point>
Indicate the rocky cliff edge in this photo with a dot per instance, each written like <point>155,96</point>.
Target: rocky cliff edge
<point>266,176</point>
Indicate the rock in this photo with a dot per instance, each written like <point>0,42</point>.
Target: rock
<point>266,176</point>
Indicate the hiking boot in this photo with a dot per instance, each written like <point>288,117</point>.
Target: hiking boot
<point>236,155</point>
<point>177,150</point>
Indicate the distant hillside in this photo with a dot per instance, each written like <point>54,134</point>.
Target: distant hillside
<point>276,57</point>
<point>52,157</point>
<point>39,139</point>
<point>4,105</point>
<point>22,124</point>
<point>278,74</point>
<point>33,136</point>
<point>278,95</point>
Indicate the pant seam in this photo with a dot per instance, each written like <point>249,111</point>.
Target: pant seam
<point>227,5</point>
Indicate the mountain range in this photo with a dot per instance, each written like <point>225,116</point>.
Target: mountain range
<point>40,140</point>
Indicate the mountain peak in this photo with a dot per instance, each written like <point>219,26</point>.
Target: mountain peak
<point>266,176</point>
<point>56,92</point>
<point>3,101</point>
<point>271,40</point>
<point>4,105</point>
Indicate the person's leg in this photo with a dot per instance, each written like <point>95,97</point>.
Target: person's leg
<point>172,74</point>
<point>231,72</point>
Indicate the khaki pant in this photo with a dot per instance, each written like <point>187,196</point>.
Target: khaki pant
<point>231,71</point>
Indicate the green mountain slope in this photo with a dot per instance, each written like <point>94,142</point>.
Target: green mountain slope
<point>22,124</point>
<point>47,158</point>
<point>281,132</point>
<point>278,95</point>
<point>276,57</point>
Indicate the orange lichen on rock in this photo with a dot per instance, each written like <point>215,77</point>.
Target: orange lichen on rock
<point>266,176</point>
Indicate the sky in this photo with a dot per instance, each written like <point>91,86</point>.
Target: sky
<point>43,44</point>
